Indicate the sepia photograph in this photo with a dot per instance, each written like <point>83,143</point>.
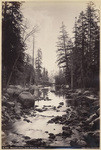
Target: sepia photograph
<point>50,74</point>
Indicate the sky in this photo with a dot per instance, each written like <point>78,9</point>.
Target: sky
<point>48,16</point>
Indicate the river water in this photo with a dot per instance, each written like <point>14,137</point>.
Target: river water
<point>47,107</point>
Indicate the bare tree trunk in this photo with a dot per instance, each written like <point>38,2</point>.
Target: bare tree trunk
<point>71,70</point>
<point>32,32</point>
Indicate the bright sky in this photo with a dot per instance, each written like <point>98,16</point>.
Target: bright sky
<point>49,16</point>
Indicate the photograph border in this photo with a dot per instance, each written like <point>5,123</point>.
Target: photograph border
<point>99,3</point>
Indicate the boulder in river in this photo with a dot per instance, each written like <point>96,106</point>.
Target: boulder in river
<point>66,132</point>
<point>57,119</point>
<point>51,136</point>
<point>61,103</point>
<point>27,99</point>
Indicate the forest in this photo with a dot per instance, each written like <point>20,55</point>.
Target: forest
<point>79,60</point>
<point>77,57</point>
<point>17,68</point>
<point>57,110</point>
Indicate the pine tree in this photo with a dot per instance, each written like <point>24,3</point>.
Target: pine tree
<point>80,46</point>
<point>38,66</point>
<point>64,47</point>
<point>92,54</point>
<point>86,49</point>
<point>45,78</point>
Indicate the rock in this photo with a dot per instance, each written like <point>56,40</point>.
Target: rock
<point>96,103</point>
<point>92,138</point>
<point>91,118</point>
<point>65,128</point>
<point>66,133</point>
<point>4,99</point>
<point>26,96</point>
<point>96,135</point>
<point>27,120</point>
<point>14,141</point>
<point>34,90</point>
<point>86,93</point>
<point>98,112</point>
<point>57,110</point>
<point>51,121</point>
<point>8,104</point>
<point>81,143</point>
<point>59,106</point>
<point>61,103</point>
<point>17,117</point>
<point>51,135</point>
<point>59,134</point>
<point>73,142</point>
<point>31,90</point>
<point>26,137</point>
<point>79,128</point>
<point>95,124</point>
<point>13,89</point>
<point>6,95</point>
<point>76,143</point>
<point>95,107</point>
<point>39,110</point>
<point>68,109</point>
<point>37,143</point>
<point>57,119</point>
<point>68,96</point>
<point>46,105</point>
<point>27,99</point>
<point>54,108</point>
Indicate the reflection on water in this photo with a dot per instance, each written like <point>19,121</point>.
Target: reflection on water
<point>37,128</point>
<point>44,93</point>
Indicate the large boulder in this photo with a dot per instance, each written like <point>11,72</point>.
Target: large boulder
<point>27,99</point>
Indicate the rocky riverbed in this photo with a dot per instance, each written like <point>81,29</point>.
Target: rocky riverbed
<point>54,121</point>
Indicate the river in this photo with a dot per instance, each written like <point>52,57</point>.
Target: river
<point>56,121</point>
<point>34,125</point>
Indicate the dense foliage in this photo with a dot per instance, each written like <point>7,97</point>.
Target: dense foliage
<point>16,64</point>
<point>82,57</point>
<point>12,41</point>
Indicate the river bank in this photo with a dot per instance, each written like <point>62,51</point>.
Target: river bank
<point>71,120</point>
